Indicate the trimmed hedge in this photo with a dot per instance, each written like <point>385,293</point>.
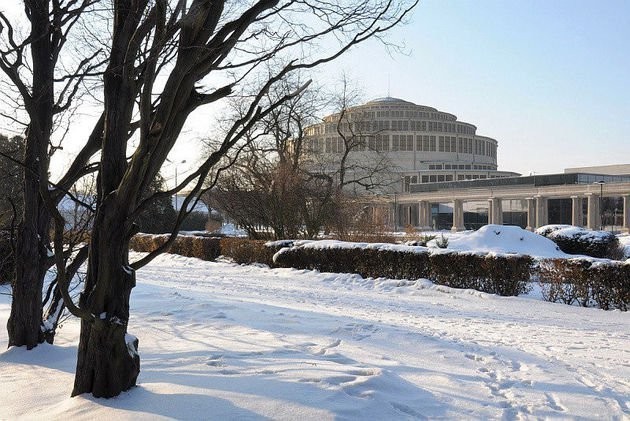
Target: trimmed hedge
<point>245,251</point>
<point>502,275</point>
<point>242,250</point>
<point>583,281</point>
<point>586,282</point>
<point>367,262</point>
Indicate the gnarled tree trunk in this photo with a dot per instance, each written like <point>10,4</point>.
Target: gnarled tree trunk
<point>108,361</point>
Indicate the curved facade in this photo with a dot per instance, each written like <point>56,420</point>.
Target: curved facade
<point>421,144</point>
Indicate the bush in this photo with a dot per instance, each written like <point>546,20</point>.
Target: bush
<point>610,285</point>
<point>577,240</point>
<point>587,283</point>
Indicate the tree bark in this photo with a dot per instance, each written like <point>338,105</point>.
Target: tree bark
<point>32,249</point>
<point>108,361</point>
<point>32,262</point>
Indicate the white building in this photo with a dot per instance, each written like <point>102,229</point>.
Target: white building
<point>420,143</point>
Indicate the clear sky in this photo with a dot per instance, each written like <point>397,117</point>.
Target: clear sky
<point>549,79</point>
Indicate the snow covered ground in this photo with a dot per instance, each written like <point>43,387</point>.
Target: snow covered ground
<point>222,341</point>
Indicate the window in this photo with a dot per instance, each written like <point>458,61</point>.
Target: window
<point>382,143</point>
<point>395,142</point>
<point>328,145</point>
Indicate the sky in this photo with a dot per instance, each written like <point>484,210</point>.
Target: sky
<point>549,80</point>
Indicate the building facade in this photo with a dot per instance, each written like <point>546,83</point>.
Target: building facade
<point>417,144</point>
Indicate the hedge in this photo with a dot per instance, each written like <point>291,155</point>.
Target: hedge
<point>502,275</point>
<point>377,260</point>
<point>586,282</point>
<point>208,248</point>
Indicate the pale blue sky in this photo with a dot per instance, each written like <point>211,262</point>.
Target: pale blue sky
<point>549,79</point>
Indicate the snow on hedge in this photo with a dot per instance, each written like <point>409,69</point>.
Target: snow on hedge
<point>506,239</point>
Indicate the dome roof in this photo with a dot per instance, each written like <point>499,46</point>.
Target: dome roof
<point>389,100</point>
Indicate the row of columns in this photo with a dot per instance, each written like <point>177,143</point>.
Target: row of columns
<point>537,212</point>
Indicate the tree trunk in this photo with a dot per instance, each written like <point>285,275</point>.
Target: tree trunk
<point>31,258</point>
<point>108,361</point>
<point>31,262</point>
<point>33,242</point>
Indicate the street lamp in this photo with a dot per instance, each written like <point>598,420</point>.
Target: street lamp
<point>601,210</point>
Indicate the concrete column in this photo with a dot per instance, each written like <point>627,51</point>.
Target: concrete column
<point>403,216</point>
<point>531,214</point>
<point>593,217</point>
<point>626,214</point>
<point>576,211</point>
<point>490,211</point>
<point>497,211</point>
<point>458,215</point>
<point>541,211</point>
<point>424,215</point>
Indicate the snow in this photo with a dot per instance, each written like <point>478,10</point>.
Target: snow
<point>231,230</point>
<point>226,341</point>
<point>506,239</point>
<point>571,231</point>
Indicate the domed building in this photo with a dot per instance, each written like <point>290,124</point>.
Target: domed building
<point>414,144</point>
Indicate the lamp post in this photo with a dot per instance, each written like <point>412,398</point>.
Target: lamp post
<point>182,162</point>
<point>601,210</point>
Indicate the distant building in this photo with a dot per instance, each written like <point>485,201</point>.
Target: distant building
<point>420,143</point>
<point>616,169</point>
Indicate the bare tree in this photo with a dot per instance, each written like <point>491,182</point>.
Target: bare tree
<point>167,59</point>
<point>283,182</point>
<point>46,90</point>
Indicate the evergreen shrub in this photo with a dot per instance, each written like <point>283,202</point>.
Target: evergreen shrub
<point>577,240</point>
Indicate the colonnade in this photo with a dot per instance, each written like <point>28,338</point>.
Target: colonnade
<point>537,212</point>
